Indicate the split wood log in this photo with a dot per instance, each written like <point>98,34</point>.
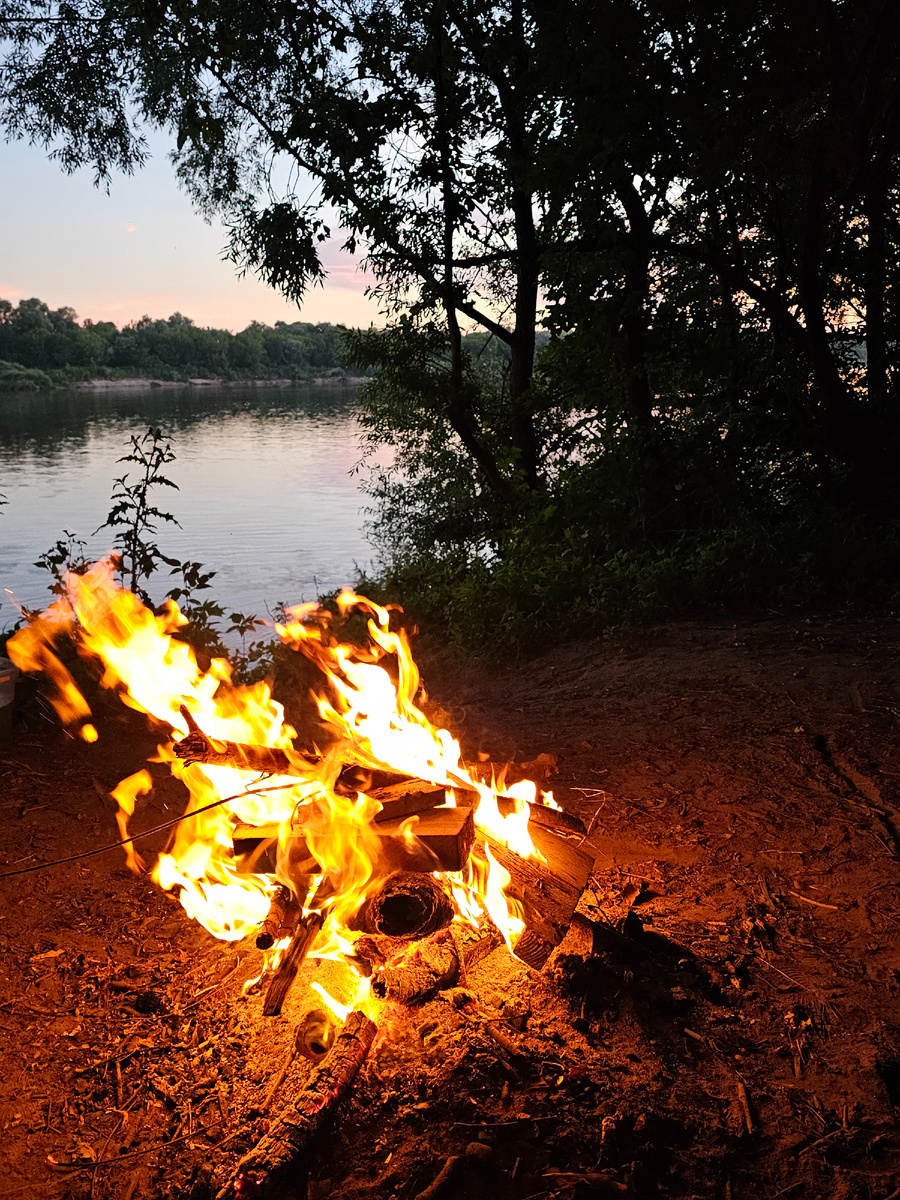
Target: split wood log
<point>272,1168</point>
<point>538,770</point>
<point>538,814</point>
<point>406,797</point>
<point>291,961</point>
<point>256,853</point>
<point>438,840</point>
<point>436,964</point>
<point>406,907</point>
<point>442,841</point>
<point>546,892</point>
<point>281,919</point>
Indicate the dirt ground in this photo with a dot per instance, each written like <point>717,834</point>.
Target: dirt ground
<point>741,782</point>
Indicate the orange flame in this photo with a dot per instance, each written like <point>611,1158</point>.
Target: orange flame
<point>371,713</point>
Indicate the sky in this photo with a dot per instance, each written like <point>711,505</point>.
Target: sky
<point>140,250</point>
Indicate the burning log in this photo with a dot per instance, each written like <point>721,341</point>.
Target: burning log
<point>286,972</point>
<point>409,796</point>
<point>314,1036</point>
<point>547,892</point>
<point>442,841</point>
<point>434,966</point>
<point>406,907</point>
<point>281,919</point>
<point>198,748</point>
<point>272,1166</point>
<point>538,770</point>
<point>538,814</point>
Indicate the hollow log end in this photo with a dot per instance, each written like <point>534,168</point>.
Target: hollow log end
<point>532,949</point>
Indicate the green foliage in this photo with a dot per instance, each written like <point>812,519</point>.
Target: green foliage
<point>67,554</point>
<point>703,197</point>
<point>16,378</point>
<point>47,348</point>
<point>134,516</point>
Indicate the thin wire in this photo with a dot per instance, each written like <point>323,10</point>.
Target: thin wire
<point>146,833</point>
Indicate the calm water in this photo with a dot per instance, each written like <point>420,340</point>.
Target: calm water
<point>267,496</point>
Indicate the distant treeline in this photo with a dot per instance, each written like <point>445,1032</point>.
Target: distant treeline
<point>40,347</point>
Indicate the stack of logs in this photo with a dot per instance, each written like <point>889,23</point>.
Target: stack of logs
<point>410,905</point>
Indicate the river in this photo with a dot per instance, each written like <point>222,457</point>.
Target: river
<point>267,493</point>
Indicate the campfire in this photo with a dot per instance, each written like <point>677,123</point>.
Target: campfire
<point>381,848</point>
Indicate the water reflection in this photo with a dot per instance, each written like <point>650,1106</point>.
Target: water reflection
<point>267,495</point>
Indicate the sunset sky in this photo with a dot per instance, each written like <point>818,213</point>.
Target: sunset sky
<point>140,249</point>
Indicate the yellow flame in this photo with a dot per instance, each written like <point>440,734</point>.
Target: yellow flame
<point>374,719</point>
<point>341,1011</point>
<point>125,795</point>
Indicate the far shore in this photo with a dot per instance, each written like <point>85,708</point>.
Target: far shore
<point>118,385</point>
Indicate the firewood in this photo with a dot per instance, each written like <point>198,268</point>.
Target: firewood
<point>314,1036</point>
<point>434,965</point>
<point>442,840</point>
<point>198,748</point>
<point>538,770</point>
<point>547,891</point>
<point>281,919</point>
<point>256,853</point>
<point>440,1185</point>
<point>407,907</point>
<point>408,796</point>
<point>531,948</point>
<point>291,961</point>
<point>272,1168</point>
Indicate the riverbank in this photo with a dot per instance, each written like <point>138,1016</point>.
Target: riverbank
<point>140,384</point>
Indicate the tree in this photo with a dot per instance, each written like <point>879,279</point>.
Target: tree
<point>699,200</point>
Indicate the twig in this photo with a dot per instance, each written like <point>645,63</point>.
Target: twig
<point>434,1189</point>
<point>213,987</point>
<point>821,1141</point>
<point>104,1162</point>
<point>744,1102</point>
<point>814,903</point>
<point>499,1124</point>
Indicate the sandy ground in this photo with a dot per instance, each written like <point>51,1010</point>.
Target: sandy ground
<point>742,785</point>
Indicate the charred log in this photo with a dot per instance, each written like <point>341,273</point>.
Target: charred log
<point>291,961</point>
<point>406,907</point>
<point>273,1166</point>
<point>314,1036</point>
<point>436,964</point>
<point>281,919</point>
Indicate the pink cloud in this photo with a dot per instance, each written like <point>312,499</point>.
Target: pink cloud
<point>129,228</point>
<point>8,292</point>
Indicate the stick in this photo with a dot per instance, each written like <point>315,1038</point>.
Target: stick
<point>281,919</point>
<point>437,1186</point>
<point>198,748</point>
<point>744,1102</point>
<point>276,1160</point>
<point>814,903</point>
<point>286,971</point>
